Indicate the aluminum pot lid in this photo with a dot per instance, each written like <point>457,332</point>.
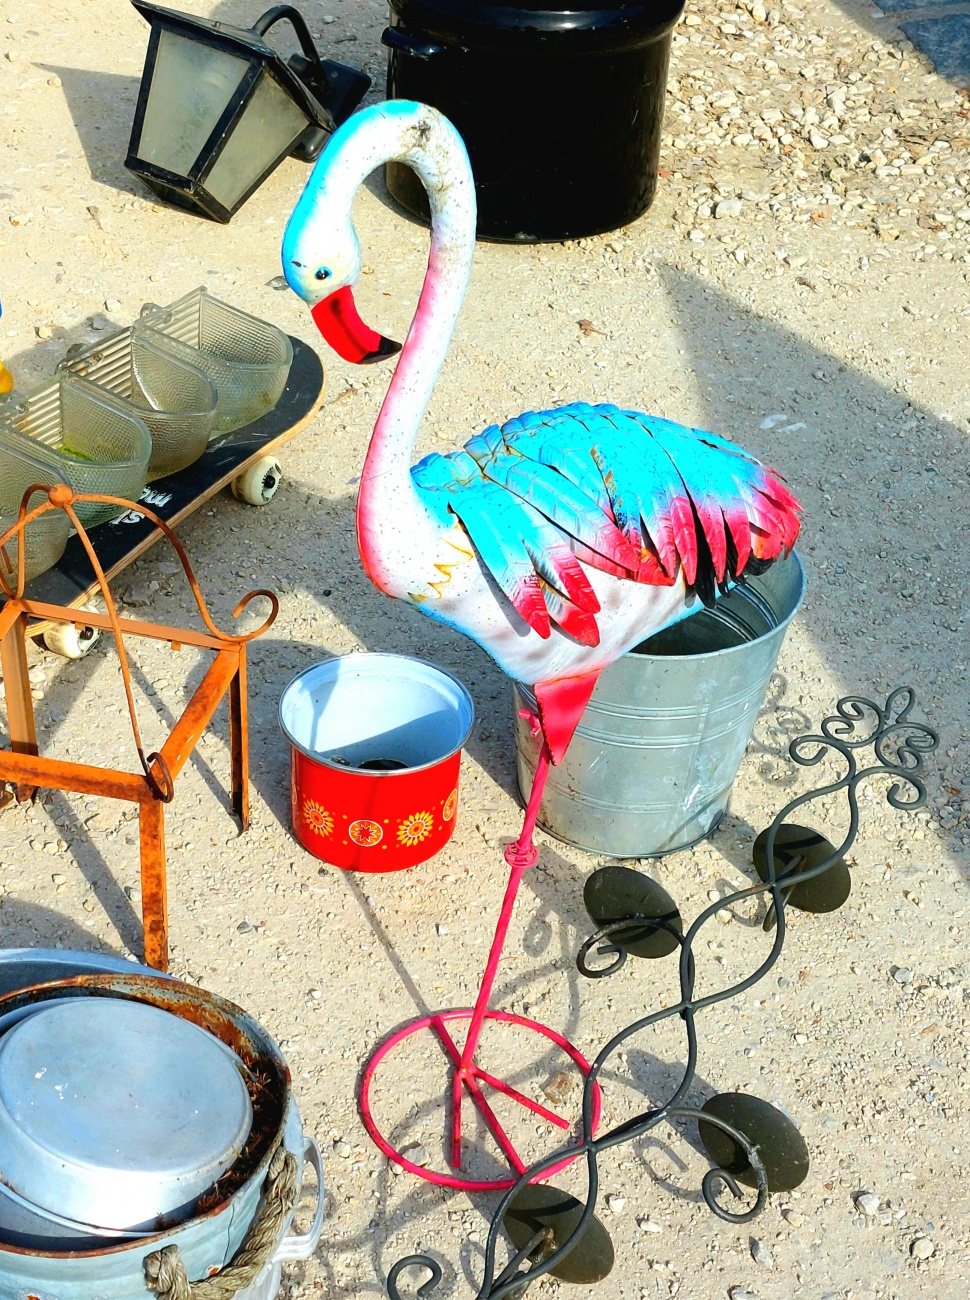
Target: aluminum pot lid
<point>126,1105</point>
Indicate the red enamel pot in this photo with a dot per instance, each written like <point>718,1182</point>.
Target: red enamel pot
<point>376,751</point>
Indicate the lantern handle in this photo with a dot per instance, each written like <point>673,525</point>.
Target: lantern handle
<point>272,16</point>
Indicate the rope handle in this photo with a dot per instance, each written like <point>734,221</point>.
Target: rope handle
<point>165,1272</point>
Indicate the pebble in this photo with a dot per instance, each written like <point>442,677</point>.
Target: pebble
<point>616,1204</point>
<point>138,595</point>
<point>559,1088</point>
<point>343,1150</point>
<point>648,1225</point>
<point>741,1293</point>
<point>417,1153</point>
<point>244,927</point>
<point>761,1254</point>
<point>727,208</point>
<point>902,974</point>
<point>793,1217</point>
<point>868,1203</point>
<point>922,1248</point>
<point>112,304</point>
<point>53,81</point>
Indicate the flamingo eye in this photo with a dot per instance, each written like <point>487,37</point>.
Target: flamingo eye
<point>323,273</point>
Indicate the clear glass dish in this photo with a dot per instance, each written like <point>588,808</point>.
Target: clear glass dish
<point>46,536</point>
<point>247,359</point>
<point>176,399</point>
<point>85,437</point>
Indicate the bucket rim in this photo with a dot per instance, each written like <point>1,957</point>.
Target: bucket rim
<point>780,626</point>
<point>370,655</point>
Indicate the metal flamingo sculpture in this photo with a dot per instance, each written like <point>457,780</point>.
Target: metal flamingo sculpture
<point>558,540</point>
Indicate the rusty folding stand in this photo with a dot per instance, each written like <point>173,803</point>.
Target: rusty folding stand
<point>154,786</point>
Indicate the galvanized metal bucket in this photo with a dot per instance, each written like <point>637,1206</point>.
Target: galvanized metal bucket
<point>653,760</point>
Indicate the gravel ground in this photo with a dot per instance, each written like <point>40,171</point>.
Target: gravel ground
<point>800,284</point>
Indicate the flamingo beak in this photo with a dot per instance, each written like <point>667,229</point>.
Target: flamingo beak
<point>338,321</point>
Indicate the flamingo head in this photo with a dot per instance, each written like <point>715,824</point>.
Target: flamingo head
<point>321,263</point>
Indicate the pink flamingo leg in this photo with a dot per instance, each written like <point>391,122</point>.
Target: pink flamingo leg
<point>562,704</point>
<point>520,856</point>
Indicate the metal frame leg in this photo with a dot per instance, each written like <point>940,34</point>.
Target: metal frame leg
<point>239,742</point>
<point>20,704</point>
<point>154,894</point>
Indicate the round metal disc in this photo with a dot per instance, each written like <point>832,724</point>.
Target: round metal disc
<point>613,893</point>
<point>538,1206</point>
<point>824,893</point>
<point>783,1150</point>
<point>115,1112</point>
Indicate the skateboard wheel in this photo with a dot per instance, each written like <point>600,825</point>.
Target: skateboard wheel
<point>259,482</point>
<point>69,641</point>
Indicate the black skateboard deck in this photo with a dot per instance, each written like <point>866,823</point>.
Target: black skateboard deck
<point>72,582</point>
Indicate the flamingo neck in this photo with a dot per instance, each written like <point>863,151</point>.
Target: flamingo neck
<point>394,531</point>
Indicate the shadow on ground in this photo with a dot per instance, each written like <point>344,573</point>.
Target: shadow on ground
<point>102,106</point>
<point>26,925</point>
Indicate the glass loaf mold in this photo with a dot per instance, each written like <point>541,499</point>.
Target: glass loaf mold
<point>46,536</point>
<point>175,399</point>
<point>85,437</point>
<point>247,359</point>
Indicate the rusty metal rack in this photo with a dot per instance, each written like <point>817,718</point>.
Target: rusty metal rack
<point>23,767</point>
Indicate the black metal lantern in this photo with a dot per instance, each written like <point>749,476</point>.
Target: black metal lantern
<point>219,108</point>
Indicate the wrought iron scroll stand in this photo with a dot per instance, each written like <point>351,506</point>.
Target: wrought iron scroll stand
<point>899,746</point>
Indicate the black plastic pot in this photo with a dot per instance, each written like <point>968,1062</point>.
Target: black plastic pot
<point>561,110</point>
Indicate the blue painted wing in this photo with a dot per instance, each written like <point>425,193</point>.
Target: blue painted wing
<point>633,495</point>
<point>529,558</point>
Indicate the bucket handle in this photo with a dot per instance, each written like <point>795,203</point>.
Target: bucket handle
<point>395,39</point>
<point>302,1246</point>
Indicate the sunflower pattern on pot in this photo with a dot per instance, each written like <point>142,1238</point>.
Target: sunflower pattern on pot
<point>415,828</point>
<point>451,805</point>
<point>317,817</point>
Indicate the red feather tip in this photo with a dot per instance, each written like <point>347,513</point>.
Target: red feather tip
<point>527,599</point>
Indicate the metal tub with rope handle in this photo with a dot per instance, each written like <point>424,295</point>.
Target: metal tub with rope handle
<point>235,1248</point>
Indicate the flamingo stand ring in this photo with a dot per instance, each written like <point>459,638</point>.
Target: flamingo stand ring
<point>466,1075</point>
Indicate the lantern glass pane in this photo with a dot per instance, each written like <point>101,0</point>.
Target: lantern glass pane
<point>191,86</point>
<point>266,130</point>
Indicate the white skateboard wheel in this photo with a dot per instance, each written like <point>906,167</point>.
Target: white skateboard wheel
<point>69,641</point>
<point>259,483</point>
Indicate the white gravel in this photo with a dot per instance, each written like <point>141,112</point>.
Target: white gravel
<point>801,284</point>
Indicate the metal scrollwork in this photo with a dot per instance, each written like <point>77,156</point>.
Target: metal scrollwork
<point>899,747</point>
